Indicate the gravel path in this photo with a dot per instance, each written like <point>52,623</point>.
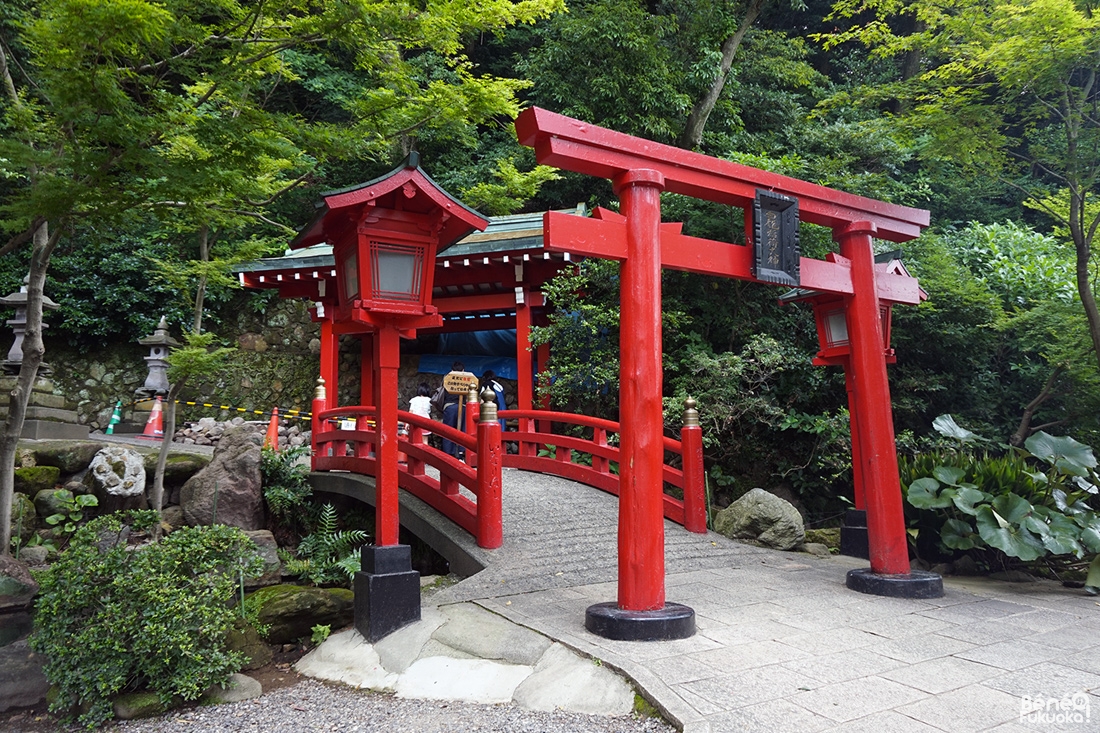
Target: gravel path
<point>313,706</point>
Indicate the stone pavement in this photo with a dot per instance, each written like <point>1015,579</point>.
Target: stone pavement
<point>782,645</point>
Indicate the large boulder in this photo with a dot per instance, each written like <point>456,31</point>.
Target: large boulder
<point>22,681</point>
<point>17,587</point>
<point>231,484</point>
<point>291,611</point>
<point>23,517</point>
<point>70,456</point>
<point>244,638</point>
<point>763,517</point>
<point>116,476</point>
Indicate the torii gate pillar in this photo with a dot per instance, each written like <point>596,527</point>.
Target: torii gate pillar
<point>641,611</point>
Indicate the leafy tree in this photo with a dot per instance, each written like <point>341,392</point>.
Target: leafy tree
<point>1007,90</point>
<point>176,110</point>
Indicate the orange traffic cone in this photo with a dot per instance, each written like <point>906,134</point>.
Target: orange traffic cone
<point>271,440</point>
<point>154,426</point>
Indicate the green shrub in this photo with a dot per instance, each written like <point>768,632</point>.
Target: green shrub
<point>286,483</point>
<point>1028,505</point>
<point>116,615</point>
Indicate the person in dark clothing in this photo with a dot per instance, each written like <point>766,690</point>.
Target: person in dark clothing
<point>450,414</point>
<point>489,379</point>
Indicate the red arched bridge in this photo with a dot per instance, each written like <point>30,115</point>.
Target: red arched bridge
<point>468,492</point>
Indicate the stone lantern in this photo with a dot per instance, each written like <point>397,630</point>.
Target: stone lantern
<point>48,415</point>
<point>18,300</point>
<point>159,343</point>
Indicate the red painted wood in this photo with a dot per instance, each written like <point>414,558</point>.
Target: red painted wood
<point>641,525</point>
<point>387,359</point>
<point>887,542</point>
<point>694,478</point>
<point>330,362</point>
<point>490,508</point>
<point>525,391</point>
<point>606,238</point>
<point>367,377</point>
<point>578,146</point>
<point>316,428</point>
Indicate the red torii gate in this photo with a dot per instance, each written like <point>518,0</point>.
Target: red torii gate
<point>639,171</point>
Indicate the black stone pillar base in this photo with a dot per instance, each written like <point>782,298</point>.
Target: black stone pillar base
<point>917,584</point>
<point>853,534</point>
<point>674,621</point>
<point>387,591</point>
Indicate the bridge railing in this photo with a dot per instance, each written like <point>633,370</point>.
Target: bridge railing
<point>346,439</point>
<point>584,449</point>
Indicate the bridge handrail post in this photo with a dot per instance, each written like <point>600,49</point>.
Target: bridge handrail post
<point>316,424</point>
<point>490,500</point>
<point>473,417</point>
<point>695,489</point>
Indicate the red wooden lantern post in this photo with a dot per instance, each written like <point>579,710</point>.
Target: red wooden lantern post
<point>385,234</point>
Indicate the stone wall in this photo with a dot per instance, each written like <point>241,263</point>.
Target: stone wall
<point>276,365</point>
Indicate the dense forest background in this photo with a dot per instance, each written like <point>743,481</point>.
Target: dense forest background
<point>163,143</point>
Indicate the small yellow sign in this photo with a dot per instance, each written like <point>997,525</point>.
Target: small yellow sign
<point>459,382</point>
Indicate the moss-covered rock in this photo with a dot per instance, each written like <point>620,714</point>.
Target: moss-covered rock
<point>70,456</point>
<point>828,537</point>
<point>245,639</point>
<point>135,705</point>
<point>32,480</point>
<point>291,611</point>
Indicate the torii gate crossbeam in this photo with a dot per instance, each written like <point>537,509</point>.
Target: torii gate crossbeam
<point>640,171</point>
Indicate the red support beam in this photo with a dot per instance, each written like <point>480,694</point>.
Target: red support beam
<point>330,361</point>
<point>525,394</point>
<point>573,145</point>
<point>387,359</point>
<point>641,511</point>
<point>886,538</point>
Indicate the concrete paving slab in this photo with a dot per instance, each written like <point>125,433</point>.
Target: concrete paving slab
<point>882,722</point>
<point>965,710</point>
<point>856,698</point>
<point>468,680</point>
<point>942,675</point>
<point>564,680</point>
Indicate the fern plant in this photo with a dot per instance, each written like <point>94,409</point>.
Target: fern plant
<point>329,555</point>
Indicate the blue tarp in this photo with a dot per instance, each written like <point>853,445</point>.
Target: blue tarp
<point>477,350</point>
<point>441,364</point>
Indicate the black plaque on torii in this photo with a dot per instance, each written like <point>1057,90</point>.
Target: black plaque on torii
<point>775,238</point>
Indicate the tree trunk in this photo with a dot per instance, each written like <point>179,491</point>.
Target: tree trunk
<point>200,288</point>
<point>1024,429</point>
<point>156,498</point>
<point>19,398</point>
<point>692,135</point>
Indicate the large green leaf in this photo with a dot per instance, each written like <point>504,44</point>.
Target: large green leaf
<point>1090,536</point>
<point>1013,507</point>
<point>948,475</point>
<point>966,497</point>
<point>924,493</point>
<point>946,425</point>
<point>959,535</point>
<point>1011,539</point>
<point>1063,452</point>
